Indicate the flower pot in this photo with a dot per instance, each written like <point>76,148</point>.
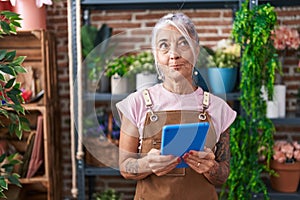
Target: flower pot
<point>288,176</point>
<point>104,84</point>
<point>119,85</point>
<point>272,109</point>
<point>145,80</point>
<point>222,80</point>
<point>279,96</point>
<point>32,16</point>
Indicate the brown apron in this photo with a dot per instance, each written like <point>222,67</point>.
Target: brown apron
<point>180,183</point>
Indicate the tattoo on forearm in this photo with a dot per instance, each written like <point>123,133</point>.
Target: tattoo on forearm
<point>132,167</point>
<point>220,171</point>
<point>223,151</point>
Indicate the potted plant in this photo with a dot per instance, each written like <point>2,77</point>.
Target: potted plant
<point>285,39</point>
<point>144,69</point>
<point>252,29</point>
<point>118,71</point>
<point>286,164</point>
<point>10,99</point>
<point>223,64</point>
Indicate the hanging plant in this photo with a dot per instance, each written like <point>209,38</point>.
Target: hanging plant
<point>252,130</point>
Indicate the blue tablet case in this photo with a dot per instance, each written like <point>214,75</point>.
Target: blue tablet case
<point>177,139</point>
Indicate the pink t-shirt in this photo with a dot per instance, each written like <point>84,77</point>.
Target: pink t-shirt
<point>133,107</point>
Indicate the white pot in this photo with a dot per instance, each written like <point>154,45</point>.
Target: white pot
<point>119,85</point>
<point>276,107</point>
<point>145,80</point>
<point>272,109</point>
<point>279,96</point>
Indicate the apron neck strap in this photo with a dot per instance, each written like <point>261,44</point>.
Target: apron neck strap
<point>147,98</point>
<point>205,100</point>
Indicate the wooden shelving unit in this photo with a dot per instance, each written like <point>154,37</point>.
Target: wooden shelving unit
<point>39,48</point>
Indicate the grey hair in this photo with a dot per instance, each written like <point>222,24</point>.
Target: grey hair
<point>183,24</point>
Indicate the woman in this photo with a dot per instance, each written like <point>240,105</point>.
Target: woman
<point>176,100</point>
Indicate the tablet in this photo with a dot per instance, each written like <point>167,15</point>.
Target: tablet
<point>177,139</point>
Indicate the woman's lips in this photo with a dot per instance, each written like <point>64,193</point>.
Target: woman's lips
<point>176,67</point>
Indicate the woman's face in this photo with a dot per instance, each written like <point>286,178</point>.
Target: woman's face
<point>174,54</point>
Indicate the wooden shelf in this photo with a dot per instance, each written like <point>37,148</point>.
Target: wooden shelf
<point>32,180</point>
<point>39,48</point>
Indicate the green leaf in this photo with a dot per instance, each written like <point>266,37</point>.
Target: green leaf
<point>14,179</point>
<point>2,78</point>
<point>10,56</point>
<point>2,157</point>
<point>20,69</point>
<point>8,70</point>
<point>2,195</point>
<point>8,168</point>
<point>2,54</point>
<point>13,98</point>
<point>5,27</point>
<point>25,124</point>
<point>3,183</point>
<point>10,83</point>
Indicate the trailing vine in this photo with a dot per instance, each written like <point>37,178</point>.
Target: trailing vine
<point>252,130</point>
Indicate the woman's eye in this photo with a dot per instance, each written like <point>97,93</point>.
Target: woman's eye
<point>183,44</point>
<point>163,46</point>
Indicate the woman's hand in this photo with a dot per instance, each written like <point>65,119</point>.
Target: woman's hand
<point>200,161</point>
<point>161,164</point>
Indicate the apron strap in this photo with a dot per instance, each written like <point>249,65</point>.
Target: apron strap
<point>205,100</point>
<point>147,98</point>
<point>149,104</point>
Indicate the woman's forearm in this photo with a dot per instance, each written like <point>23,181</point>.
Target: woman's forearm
<point>219,173</point>
<point>133,168</point>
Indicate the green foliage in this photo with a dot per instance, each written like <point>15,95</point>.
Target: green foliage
<point>96,49</point>
<point>88,36</point>
<point>8,22</point>
<point>143,62</point>
<point>252,130</point>
<point>10,98</point>
<point>131,64</point>
<point>226,55</point>
<point>109,194</point>
<point>119,66</point>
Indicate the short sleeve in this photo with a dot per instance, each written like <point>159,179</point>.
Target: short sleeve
<point>221,113</point>
<point>131,110</point>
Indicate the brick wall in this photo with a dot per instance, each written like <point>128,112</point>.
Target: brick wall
<point>212,26</point>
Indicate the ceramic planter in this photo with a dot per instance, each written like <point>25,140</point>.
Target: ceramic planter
<point>222,80</point>
<point>288,176</point>
<point>145,80</point>
<point>276,108</point>
<point>279,96</point>
<point>32,16</point>
<point>119,85</point>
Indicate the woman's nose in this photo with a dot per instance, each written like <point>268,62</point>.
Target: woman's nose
<point>174,53</point>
